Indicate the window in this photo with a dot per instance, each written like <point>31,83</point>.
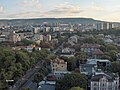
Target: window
<point>95,84</point>
<point>95,89</point>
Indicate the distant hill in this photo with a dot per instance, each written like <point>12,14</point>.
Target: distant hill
<point>50,20</point>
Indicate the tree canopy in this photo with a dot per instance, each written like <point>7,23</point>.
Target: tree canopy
<point>71,80</point>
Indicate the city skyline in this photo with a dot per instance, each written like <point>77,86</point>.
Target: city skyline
<point>107,10</point>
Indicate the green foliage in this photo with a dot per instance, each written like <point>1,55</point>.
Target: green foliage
<point>89,40</point>
<point>44,71</point>
<point>110,47</point>
<point>115,67</point>
<point>22,57</point>
<point>25,88</point>
<point>27,42</point>
<point>106,32</point>
<point>81,57</point>
<point>52,56</point>
<point>14,63</point>
<point>76,88</point>
<point>71,63</point>
<point>71,80</point>
<point>38,77</point>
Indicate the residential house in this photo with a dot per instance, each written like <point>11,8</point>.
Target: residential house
<point>68,50</point>
<point>97,53</point>
<point>90,49</point>
<point>59,68</point>
<point>100,62</point>
<point>105,81</point>
<point>58,65</point>
<point>88,69</point>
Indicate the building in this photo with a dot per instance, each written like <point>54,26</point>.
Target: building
<point>100,62</point>
<point>105,81</point>
<point>60,74</point>
<point>98,26</point>
<point>46,29</point>
<point>38,38</point>
<point>58,65</point>
<point>73,39</point>
<point>2,38</point>
<point>47,37</point>
<point>90,49</point>
<point>97,53</point>
<point>14,37</point>
<point>88,69</point>
<point>109,26</point>
<point>59,68</point>
<point>104,26</point>
<point>36,30</point>
<point>68,50</point>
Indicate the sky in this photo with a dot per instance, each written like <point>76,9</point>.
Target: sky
<point>107,10</point>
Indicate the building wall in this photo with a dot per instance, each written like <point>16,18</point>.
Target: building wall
<point>59,67</point>
<point>104,84</point>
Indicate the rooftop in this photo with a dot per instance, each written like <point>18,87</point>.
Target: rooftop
<point>59,61</point>
<point>94,61</point>
<point>109,76</point>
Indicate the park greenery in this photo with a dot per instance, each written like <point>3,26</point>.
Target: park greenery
<point>15,63</point>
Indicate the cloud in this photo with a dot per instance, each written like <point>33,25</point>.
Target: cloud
<point>64,9</point>
<point>61,10</point>
<point>30,5</point>
<point>96,8</point>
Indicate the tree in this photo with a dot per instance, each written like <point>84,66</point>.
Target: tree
<point>113,55</point>
<point>25,88</point>
<point>89,40</point>
<point>71,80</point>
<point>111,47</point>
<point>71,63</point>
<point>44,71</point>
<point>27,42</point>
<point>38,77</point>
<point>115,67</point>
<point>23,58</point>
<point>81,57</point>
<point>76,88</point>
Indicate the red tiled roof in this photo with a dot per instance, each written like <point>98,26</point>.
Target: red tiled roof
<point>51,78</point>
<point>98,52</point>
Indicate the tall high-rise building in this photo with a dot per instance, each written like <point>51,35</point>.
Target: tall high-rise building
<point>109,26</point>
<point>98,26</point>
<point>36,30</point>
<point>104,26</point>
<point>13,37</point>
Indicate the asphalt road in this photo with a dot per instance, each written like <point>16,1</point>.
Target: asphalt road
<point>47,87</point>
